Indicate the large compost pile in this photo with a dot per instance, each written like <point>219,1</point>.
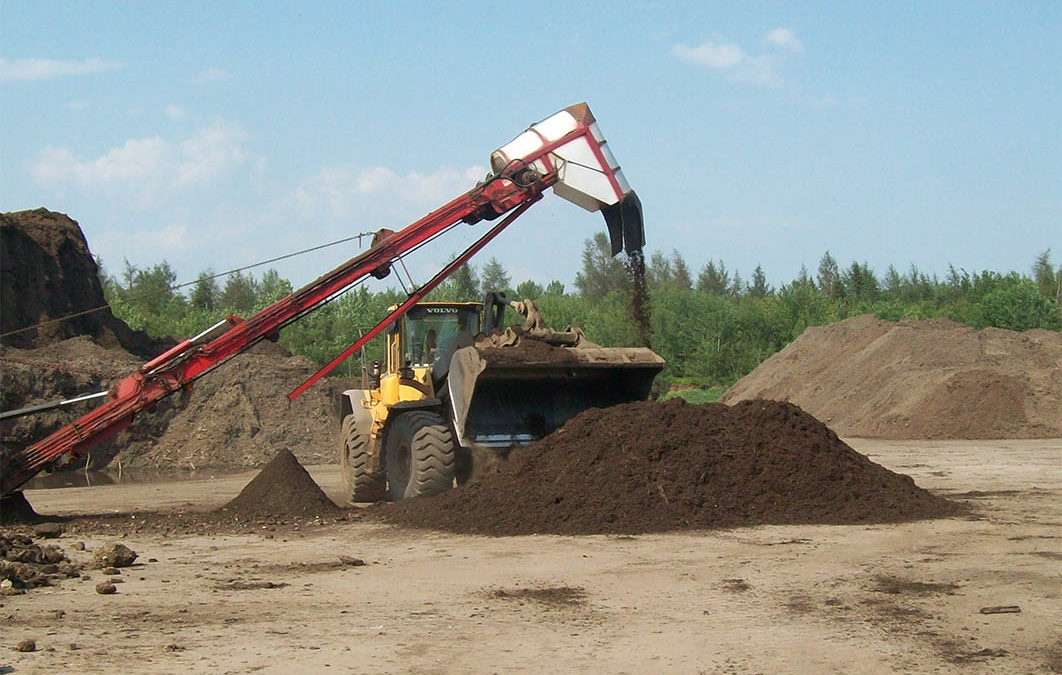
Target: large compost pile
<point>918,379</point>
<point>652,467</point>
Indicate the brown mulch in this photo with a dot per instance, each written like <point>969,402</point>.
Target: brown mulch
<point>654,467</point>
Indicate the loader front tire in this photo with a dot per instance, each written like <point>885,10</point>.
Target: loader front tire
<point>419,454</point>
<point>355,460</point>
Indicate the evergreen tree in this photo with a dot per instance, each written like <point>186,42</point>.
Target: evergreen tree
<point>528,289</point>
<point>601,272</point>
<point>240,293</point>
<point>465,283</point>
<point>554,288</point>
<point>829,277</point>
<point>680,272</point>
<point>495,278</point>
<point>759,288</point>
<point>714,280</point>
<point>205,292</point>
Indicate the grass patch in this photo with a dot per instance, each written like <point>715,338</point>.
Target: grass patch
<point>707,395</point>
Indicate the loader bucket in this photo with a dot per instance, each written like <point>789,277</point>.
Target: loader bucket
<point>503,397</point>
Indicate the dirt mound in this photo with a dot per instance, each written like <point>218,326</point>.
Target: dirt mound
<point>652,467</point>
<point>281,488</point>
<point>238,416</point>
<point>918,379</point>
<point>48,273</point>
<point>62,371</point>
<point>235,417</point>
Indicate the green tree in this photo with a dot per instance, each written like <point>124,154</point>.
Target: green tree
<point>1019,305</point>
<point>601,273</point>
<point>554,288</point>
<point>529,289</point>
<point>829,277</point>
<point>495,278</point>
<point>714,279</point>
<point>1048,281</point>
<point>271,288</point>
<point>859,283</point>
<point>759,288</point>
<point>205,293</point>
<point>240,294</point>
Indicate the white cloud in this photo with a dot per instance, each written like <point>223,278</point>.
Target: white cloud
<point>784,38</point>
<point>347,192</point>
<point>212,74</point>
<point>737,64</point>
<point>146,170</point>
<point>174,112</point>
<point>31,70</point>
<point>711,55</point>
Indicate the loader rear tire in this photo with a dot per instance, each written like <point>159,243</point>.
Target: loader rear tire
<point>355,460</point>
<point>419,453</point>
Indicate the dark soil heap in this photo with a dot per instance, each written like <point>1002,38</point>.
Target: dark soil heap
<point>282,488</point>
<point>48,273</point>
<point>654,467</point>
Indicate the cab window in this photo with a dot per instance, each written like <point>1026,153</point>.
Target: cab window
<point>432,332</point>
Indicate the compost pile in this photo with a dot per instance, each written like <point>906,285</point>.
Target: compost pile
<point>237,416</point>
<point>48,273</point>
<point>654,467</point>
<point>918,379</point>
<point>282,488</point>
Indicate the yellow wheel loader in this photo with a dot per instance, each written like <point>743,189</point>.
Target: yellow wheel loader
<point>456,386</point>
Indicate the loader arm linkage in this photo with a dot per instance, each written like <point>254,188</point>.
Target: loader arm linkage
<point>518,181</point>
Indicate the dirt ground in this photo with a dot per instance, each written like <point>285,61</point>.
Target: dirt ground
<point>870,599</point>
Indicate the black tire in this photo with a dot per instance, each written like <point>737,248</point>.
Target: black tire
<point>355,460</point>
<point>419,453</point>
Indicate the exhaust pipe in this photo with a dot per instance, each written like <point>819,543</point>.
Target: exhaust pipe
<point>588,175</point>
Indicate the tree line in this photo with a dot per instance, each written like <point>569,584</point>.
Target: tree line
<point>712,328</point>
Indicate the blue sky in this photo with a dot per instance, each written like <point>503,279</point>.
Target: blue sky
<point>214,135</point>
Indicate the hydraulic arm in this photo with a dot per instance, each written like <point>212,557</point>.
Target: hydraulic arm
<point>566,152</point>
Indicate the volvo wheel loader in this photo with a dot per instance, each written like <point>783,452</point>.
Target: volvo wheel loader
<point>455,386</point>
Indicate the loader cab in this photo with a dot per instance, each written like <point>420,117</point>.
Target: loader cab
<point>429,333</point>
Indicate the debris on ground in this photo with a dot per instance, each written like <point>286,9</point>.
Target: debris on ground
<point>25,564</point>
<point>114,555</point>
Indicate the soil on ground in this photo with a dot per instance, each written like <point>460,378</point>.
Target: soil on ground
<point>652,467</point>
<point>932,379</point>
<point>282,488</point>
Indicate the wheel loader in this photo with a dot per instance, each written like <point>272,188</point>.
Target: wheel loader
<point>455,386</point>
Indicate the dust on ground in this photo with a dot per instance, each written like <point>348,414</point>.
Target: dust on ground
<point>918,379</point>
